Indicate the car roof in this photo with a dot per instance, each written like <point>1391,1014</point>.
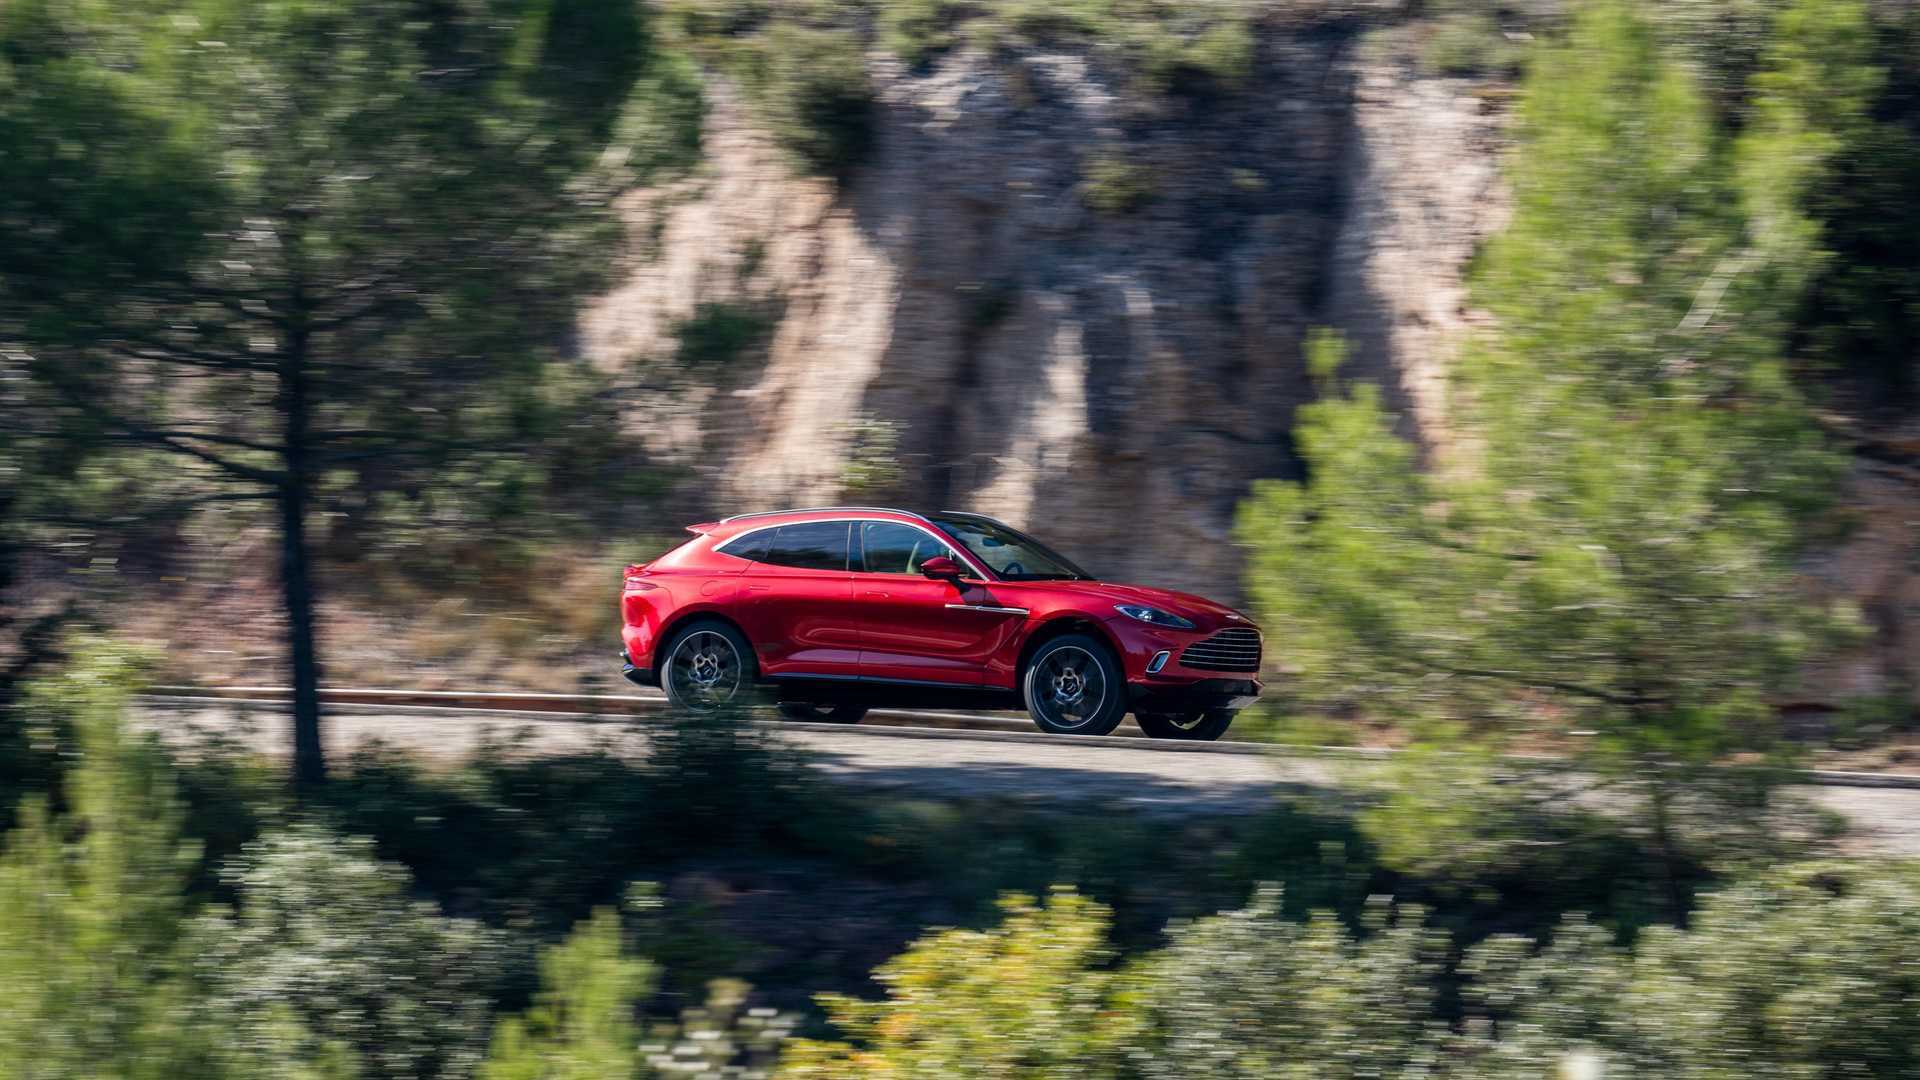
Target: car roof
<point>740,523</point>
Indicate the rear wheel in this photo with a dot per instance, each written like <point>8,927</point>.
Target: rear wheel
<point>708,665</point>
<point>1196,725</point>
<point>1073,686</point>
<point>822,713</point>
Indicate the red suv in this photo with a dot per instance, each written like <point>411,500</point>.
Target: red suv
<point>845,608</point>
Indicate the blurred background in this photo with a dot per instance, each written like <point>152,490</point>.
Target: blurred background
<point>1543,376</point>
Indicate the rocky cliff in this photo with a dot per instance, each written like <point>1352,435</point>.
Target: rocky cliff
<point>1054,301</point>
<point>1083,309</point>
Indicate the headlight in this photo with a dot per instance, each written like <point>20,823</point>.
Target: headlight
<point>1153,615</point>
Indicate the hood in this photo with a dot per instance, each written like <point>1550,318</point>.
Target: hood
<point>1204,612</point>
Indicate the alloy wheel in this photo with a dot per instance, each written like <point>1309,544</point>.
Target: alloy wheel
<point>1069,686</point>
<point>704,669</point>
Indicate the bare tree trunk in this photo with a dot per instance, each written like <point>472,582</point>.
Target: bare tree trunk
<point>296,579</point>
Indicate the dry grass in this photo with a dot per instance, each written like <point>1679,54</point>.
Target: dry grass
<point>545,622</point>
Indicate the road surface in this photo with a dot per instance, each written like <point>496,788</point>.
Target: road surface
<point>1112,771</point>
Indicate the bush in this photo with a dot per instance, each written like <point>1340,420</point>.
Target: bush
<point>718,333</point>
<point>816,95</point>
<point>326,937</point>
<point>1248,994</point>
<point>582,1026</point>
<point>1470,43</point>
<point>93,905</point>
<point>1033,997</point>
<point>1116,185</point>
<point>1813,972</point>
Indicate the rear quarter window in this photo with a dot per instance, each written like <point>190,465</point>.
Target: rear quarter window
<point>751,546</point>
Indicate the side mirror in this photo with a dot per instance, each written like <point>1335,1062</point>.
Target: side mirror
<point>941,568</point>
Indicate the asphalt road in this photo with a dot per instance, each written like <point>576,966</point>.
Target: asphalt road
<point>1114,771</point>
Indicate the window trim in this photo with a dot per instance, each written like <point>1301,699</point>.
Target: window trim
<point>966,557</point>
<point>846,562</point>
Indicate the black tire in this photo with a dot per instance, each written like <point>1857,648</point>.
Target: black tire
<point>682,667</point>
<point>1074,686</point>
<point>822,712</point>
<point>1197,726</point>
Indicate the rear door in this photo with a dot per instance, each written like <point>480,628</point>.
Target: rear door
<point>914,628</point>
<point>797,602</point>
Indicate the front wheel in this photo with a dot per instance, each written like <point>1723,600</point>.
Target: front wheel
<point>1073,686</point>
<point>1199,726</point>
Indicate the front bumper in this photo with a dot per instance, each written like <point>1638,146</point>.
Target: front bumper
<point>1172,686</point>
<point>1198,695</point>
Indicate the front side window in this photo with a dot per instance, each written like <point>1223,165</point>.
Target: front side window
<point>892,548</point>
<point>810,545</point>
<point>1012,555</point>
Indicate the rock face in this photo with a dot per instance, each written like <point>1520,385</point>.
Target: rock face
<point>1082,309</point>
<point>1071,307</point>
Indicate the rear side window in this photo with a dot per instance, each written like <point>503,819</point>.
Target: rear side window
<point>891,548</point>
<point>751,546</point>
<point>812,545</point>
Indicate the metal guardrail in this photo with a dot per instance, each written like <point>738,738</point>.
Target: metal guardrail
<point>903,723</point>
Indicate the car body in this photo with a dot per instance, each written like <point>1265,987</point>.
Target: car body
<point>841,608</point>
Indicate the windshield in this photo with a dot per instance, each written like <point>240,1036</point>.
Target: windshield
<point>1014,556</point>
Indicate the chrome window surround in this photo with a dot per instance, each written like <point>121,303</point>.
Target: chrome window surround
<point>966,556</point>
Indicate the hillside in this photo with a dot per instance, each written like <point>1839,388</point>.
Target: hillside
<point>1053,295</point>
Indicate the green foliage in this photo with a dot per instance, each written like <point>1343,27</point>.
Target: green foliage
<point>1861,317</point>
<point>918,30</point>
<point>803,69</point>
<point>1808,972</point>
<point>582,1025</point>
<point>1116,184</point>
<point>1032,997</point>
<point>814,91</point>
<point>1164,46</point>
<point>718,333</point>
<point>1249,994</point>
<point>873,468</point>
<point>90,945</point>
<point>326,938</point>
<point>1613,548</point>
<point>1469,43</point>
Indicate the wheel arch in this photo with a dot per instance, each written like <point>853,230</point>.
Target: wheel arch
<point>1059,626</point>
<point>673,626</point>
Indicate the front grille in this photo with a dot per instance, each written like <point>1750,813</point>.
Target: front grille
<point>1237,648</point>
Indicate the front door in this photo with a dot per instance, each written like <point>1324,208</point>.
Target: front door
<point>914,628</point>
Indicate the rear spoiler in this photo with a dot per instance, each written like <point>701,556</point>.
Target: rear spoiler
<point>703,528</point>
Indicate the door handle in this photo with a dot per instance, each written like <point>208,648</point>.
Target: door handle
<point>758,588</point>
<point>873,594</point>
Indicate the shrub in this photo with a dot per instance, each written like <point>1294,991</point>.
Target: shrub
<point>1249,994</point>
<point>1813,973</point>
<point>1116,185</point>
<point>1032,997</point>
<point>326,937</point>
<point>918,30</point>
<point>1470,43</point>
<point>816,94</point>
<point>582,1023</point>
<point>718,333</point>
<point>92,905</point>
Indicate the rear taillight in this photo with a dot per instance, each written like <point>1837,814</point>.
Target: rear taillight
<point>636,582</point>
